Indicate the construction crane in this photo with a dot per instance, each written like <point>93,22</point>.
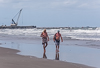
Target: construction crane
<point>16,23</point>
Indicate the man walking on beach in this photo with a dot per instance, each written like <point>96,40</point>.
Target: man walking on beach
<point>56,39</point>
<point>45,39</point>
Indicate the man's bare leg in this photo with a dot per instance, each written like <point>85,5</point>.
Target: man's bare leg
<point>57,48</point>
<point>44,48</point>
<point>46,45</point>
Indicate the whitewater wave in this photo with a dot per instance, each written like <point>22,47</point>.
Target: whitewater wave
<point>89,34</point>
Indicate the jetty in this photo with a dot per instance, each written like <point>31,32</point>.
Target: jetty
<point>17,27</point>
<point>69,28</point>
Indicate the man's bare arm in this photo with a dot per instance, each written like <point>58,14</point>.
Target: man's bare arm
<point>48,37</point>
<point>61,39</point>
<point>41,35</point>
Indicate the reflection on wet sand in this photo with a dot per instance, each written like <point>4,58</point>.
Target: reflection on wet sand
<point>44,55</point>
<point>57,56</point>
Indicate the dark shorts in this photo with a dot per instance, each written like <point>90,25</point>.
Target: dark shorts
<point>57,42</point>
<point>44,40</point>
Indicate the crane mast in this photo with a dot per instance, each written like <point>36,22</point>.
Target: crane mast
<point>16,23</point>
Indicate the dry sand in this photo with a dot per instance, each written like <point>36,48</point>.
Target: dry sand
<point>9,59</point>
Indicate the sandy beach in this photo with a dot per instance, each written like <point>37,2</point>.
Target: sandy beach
<point>9,59</point>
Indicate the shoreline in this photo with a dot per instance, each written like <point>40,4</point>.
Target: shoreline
<point>9,59</point>
<point>71,54</point>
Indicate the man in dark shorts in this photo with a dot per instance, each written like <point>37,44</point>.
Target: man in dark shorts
<point>45,39</point>
<point>56,39</point>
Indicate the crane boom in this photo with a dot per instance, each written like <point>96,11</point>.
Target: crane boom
<point>16,23</point>
<point>18,17</point>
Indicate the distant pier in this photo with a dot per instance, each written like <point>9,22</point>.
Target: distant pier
<point>31,27</point>
<point>66,28</point>
<point>16,27</point>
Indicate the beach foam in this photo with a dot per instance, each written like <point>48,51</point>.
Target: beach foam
<point>66,33</point>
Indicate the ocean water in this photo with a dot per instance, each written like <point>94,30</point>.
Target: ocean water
<point>81,34</point>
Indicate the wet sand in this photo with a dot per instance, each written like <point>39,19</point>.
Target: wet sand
<point>9,59</point>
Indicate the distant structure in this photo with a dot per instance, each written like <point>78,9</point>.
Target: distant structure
<point>16,23</point>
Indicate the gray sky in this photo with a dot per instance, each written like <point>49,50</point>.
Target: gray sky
<point>52,13</point>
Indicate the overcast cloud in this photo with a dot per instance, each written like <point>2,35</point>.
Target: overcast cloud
<point>81,12</point>
<point>55,4</point>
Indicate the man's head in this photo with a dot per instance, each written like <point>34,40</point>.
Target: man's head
<point>44,30</point>
<point>58,31</point>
